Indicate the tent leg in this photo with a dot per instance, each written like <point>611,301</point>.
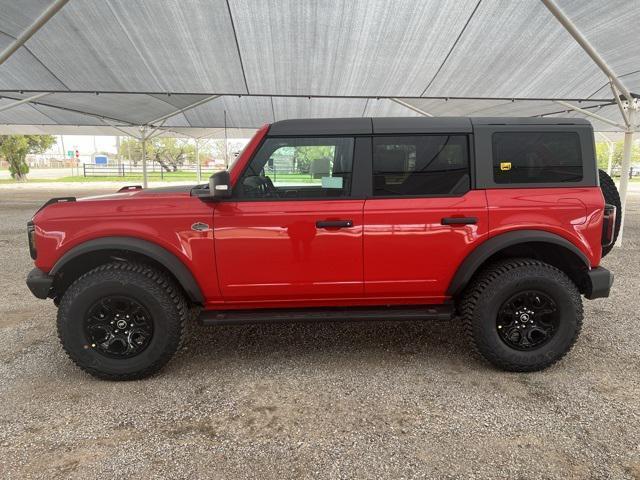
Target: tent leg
<point>198,169</point>
<point>624,171</point>
<point>612,147</point>
<point>145,183</point>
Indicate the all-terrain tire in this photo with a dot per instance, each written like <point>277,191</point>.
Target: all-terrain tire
<point>612,197</point>
<point>492,288</point>
<point>153,290</point>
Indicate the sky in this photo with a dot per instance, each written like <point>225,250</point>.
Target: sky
<point>85,144</point>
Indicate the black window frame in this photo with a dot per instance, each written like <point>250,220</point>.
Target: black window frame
<point>495,160</point>
<point>483,165</point>
<point>470,163</point>
<point>360,159</point>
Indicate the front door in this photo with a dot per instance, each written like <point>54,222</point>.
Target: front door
<point>291,232</point>
<point>422,219</point>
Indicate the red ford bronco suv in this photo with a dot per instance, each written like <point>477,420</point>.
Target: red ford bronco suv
<point>501,222</point>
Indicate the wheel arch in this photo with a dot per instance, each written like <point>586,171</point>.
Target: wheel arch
<point>538,244</point>
<point>84,257</point>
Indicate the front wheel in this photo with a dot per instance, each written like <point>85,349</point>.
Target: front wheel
<point>522,315</point>
<point>122,321</point>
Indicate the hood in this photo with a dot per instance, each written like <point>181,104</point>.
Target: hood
<point>137,191</point>
<point>125,194</point>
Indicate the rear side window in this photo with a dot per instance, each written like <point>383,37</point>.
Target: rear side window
<point>536,157</point>
<point>420,165</point>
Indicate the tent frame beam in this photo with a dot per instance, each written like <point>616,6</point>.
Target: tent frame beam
<point>3,92</point>
<point>411,107</point>
<point>38,23</point>
<point>623,111</point>
<point>23,101</point>
<point>586,46</point>
<point>184,109</point>
<point>591,114</point>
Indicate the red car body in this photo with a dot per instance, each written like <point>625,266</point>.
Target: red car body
<point>269,254</point>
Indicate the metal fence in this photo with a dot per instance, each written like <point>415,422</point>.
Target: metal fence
<point>154,169</point>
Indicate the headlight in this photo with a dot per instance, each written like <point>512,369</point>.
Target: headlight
<point>31,235</point>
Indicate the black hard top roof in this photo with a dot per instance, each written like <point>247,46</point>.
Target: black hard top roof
<point>390,125</point>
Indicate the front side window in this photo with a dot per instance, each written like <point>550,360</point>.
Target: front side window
<point>536,157</point>
<point>299,168</point>
<point>420,165</point>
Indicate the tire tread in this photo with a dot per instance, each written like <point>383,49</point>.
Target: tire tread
<point>484,280</point>
<point>172,298</point>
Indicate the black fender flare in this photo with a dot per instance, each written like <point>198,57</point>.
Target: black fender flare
<point>477,257</point>
<point>143,247</point>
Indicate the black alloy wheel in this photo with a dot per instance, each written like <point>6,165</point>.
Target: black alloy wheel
<point>118,326</point>
<point>527,320</point>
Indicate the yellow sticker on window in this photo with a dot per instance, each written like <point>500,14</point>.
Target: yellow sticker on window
<point>505,166</point>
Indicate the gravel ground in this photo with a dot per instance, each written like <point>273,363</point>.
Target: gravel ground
<point>337,400</point>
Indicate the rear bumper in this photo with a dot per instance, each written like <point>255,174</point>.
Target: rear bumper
<point>39,283</point>
<point>599,281</point>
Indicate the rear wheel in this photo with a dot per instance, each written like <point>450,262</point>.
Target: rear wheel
<point>522,314</point>
<point>611,196</point>
<point>122,321</point>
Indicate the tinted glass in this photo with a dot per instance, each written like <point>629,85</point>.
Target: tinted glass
<point>420,165</point>
<point>299,168</point>
<point>536,157</point>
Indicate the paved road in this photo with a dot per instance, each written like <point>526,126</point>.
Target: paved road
<point>379,400</point>
<point>43,173</point>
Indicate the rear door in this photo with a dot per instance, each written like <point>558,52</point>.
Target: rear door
<point>422,219</point>
<point>292,231</point>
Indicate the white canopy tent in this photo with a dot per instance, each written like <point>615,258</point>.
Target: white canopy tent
<point>147,67</point>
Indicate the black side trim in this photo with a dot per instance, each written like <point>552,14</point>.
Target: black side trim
<point>129,188</point>
<point>53,200</point>
<point>39,283</point>
<point>599,284</point>
<point>236,317</point>
<point>156,252</point>
<point>475,259</point>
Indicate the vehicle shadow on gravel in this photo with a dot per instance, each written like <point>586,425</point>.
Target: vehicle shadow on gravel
<point>435,340</point>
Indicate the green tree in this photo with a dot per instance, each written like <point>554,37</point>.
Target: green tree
<point>303,156</point>
<point>602,153</point>
<point>170,153</point>
<point>15,148</point>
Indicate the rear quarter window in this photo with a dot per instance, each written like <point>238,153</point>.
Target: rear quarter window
<point>536,157</point>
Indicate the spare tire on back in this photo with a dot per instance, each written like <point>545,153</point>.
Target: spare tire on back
<point>611,196</point>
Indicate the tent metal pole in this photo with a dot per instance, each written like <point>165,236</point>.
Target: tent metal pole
<point>610,151</point>
<point>616,96</point>
<point>586,46</point>
<point>25,100</point>
<point>411,107</point>
<point>182,110</point>
<point>626,165</point>
<point>143,138</point>
<point>198,169</point>
<point>591,114</point>
<point>43,18</point>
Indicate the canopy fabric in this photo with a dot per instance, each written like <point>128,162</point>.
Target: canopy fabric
<point>189,65</point>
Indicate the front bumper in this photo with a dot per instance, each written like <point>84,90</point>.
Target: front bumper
<point>39,283</point>
<point>599,281</point>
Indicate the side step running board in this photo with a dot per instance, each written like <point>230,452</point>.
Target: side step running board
<point>231,317</point>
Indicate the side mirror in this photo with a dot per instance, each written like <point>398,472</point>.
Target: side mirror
<point>220,185</point>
